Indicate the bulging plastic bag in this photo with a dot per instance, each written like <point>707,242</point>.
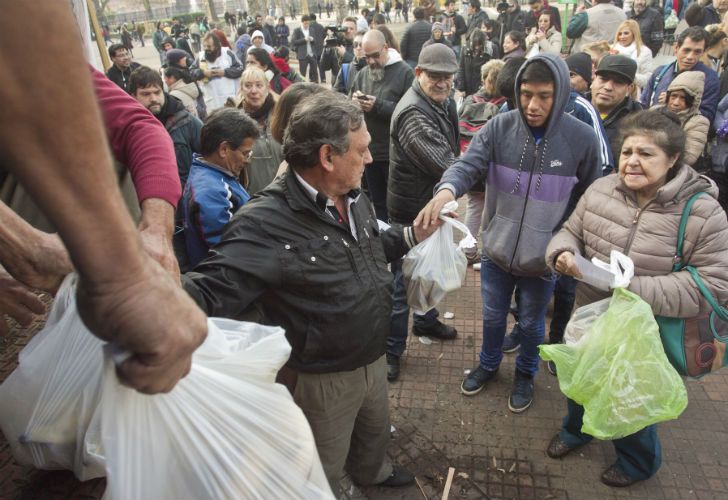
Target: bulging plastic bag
<point>619,372</point>
<point>48,403</point>
<point>226,431</point>
<point>437,265</point>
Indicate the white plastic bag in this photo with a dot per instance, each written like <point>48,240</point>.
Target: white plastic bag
<point>621,267</point>
<point>582,319</point>
<point>47,404</point>
<point>226,431</point>
<point>437,265</point>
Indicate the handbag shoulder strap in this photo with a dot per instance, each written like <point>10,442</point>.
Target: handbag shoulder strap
<point>721,311</point>
<point>677,261</point>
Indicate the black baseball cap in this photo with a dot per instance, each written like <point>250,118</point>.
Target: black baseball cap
<point>618,65</point>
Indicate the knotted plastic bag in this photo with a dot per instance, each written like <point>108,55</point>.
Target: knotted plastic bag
<point>437,265</point>
<point>619,372</point>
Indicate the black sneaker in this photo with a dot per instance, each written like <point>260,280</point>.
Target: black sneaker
<point>512,341</point>
<point>399,477</point>
<point>522,393</point>
<point>392,367</point>
<point>438,331</point>
<point>474,382</point>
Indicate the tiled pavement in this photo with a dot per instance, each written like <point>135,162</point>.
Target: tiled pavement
<point>495,453</point>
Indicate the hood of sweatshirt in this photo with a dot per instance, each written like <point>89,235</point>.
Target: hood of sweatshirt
<point>692,83</point>
<point>393,56</point>
<point>562,88</point>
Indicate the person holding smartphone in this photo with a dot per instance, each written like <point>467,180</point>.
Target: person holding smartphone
<point>543,38</point>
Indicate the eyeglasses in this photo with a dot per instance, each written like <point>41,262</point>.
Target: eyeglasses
<point>439,77</point>
<point>247,155</point>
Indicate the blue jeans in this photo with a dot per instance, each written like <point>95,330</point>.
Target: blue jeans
<point>496,286</point>
<point>397,339</point>
<point>638,455</point>
<point>564,296</point>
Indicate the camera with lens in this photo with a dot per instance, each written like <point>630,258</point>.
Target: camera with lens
<point>502,7</point>
<point>334,36</point>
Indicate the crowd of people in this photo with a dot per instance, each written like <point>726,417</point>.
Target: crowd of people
<point>290,201</point>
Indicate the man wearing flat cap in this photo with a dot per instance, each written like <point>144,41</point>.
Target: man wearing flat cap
<point>610,93</point>
<point>424,142</point>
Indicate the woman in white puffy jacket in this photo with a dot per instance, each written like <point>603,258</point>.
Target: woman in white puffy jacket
<point>628,42</point>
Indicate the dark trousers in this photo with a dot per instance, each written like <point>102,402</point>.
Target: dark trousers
<point>639,455</point>
<point>397,338</point>
<point>564,296</point>
<point>321,70</point>
<point>311,63</point>
<point>377,174</point>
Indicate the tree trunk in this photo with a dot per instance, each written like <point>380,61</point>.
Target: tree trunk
<point>148,9</point>
<point>211,12</point>
<point>100,6</point>
<point>342,10</point>
<point>257,7</point>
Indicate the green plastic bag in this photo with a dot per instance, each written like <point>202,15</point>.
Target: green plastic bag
<point>619,372</point>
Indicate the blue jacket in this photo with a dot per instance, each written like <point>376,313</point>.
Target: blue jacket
<point>210,198</point>
<point>664,75</point>
<point>581,109</point>
<point>528,186</point>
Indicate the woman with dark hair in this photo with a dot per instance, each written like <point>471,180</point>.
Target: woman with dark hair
<point>514,45</point>
<point>472,58</point>
<point>284,109</point>
<point>389,37</point>
<point>638,211</point>
<point>183,87</point>
<point>280,59</point>
<point>261,59</point>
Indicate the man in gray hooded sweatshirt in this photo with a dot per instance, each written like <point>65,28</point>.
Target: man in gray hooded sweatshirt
<point>536,161</point>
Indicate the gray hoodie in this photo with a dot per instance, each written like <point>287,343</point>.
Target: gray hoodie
<point>529,187</point>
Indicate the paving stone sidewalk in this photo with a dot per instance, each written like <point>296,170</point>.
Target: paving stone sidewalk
<point>495,453</point>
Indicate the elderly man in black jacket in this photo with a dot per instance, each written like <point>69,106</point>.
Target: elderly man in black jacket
<point>308,251</point>
<point>414,37</point>
<point>651,24</point>
<point>424,143</point>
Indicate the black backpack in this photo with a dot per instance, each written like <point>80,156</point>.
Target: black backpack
<point>200,104</point>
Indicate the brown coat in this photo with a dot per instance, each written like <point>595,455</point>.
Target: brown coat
<point>607,218</point>
<point>693,123</point>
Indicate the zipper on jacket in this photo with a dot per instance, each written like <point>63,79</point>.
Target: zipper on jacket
<point>352,262</point>
<point>633,230</point>
<point>525,204</point>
